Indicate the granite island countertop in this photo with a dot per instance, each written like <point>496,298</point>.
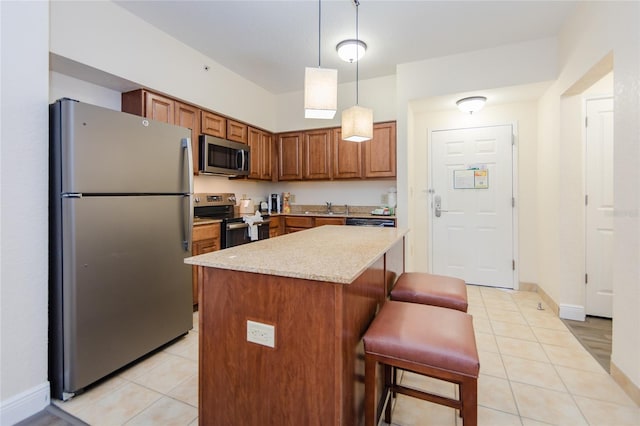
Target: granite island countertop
<point>330,253</point>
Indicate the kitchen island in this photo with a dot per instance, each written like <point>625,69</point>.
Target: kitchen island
<point>306,299</point>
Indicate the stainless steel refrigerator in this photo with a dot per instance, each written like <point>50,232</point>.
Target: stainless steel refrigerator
<point>121,216</point>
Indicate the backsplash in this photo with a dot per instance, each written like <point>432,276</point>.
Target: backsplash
<point>354,193</point>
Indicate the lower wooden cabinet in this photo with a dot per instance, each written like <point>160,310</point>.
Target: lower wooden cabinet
<point>275,227</point>
<point>206,238</point>
<point>297,223</point>
<point>300,223</point>
<point>319,221</point>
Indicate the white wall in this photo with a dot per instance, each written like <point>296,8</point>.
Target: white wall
<point>376,93</point>
<point>63,86</point>
<point>24,216</point>
<point>105,36</point>
<point>523,115</point>
<point>511,65</point>
<point>595,30</point>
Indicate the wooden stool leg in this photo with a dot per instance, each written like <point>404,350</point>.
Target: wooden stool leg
<point>389,382</point>
<point>369,391</point>
<point>469,399</point>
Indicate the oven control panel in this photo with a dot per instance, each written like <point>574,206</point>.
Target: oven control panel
<point>206,199</point>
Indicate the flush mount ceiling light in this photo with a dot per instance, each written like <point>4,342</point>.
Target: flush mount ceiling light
<point>471,104</point>
<point>320,87</point>
<point>357,121</point>
<point>351,50</point>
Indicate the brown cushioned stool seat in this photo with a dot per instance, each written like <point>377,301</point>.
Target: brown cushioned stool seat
<point>431,289</point>
<point>428,340</point>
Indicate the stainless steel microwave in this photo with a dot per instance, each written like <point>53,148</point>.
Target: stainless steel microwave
<point>223,157</point>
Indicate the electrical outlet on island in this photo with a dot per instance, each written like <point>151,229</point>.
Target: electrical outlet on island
<point>262,334</point>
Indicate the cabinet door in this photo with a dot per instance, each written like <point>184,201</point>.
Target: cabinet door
<point>319,221</point>
<point>206,238</point>
<point>236,131</point>
<point>274,227</point>
<point>255,144</point>
<point>214,125</point>
<point>290,156</point>
<point>261,155</point>
<point>317,154</point>
<point>189,116</point>
<point>347,157</point>
<point>380,152</point>
<point>266,156</point>
<point>159,108</point>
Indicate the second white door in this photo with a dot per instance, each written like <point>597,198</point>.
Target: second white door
<point>472,205</point>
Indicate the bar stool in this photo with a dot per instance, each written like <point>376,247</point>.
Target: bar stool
<point>428,340</point>
<point>431,289</point>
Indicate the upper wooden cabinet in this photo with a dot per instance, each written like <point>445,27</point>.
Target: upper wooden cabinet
<point>347,157</point>
<point>325,155</point>
<point>316,154</point>
<point>380,152</point>
<point>236,131</point>
<point>161,108</point>
<point>189,116</point>
<point>290,156</point>
<point>261,156</point>
<point>214,125</point>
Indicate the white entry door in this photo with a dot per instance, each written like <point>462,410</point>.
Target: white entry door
<point>471,209</point>
<point>599,207</point>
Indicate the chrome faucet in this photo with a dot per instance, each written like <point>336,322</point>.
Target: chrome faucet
<point>328,207</point>
<point>346,209</point>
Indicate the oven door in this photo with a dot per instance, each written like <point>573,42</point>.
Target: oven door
<point>237,233</point>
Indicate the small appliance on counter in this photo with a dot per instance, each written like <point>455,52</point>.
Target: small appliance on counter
<point>246,205</point>
<point>275,203</point>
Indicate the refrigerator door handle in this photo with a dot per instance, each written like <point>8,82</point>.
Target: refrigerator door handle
<point>186,145</point>
<point>186,243</point>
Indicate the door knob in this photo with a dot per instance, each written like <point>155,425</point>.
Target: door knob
<point>437,206</point>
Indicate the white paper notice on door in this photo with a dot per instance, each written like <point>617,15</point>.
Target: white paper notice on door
<point>481,179</point>
<point>470,179</point>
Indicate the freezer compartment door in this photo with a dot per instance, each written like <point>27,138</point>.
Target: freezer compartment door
<point>107,151</point>
<point>126,290</point>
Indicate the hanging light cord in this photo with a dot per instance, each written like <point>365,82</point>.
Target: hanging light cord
<point>357,3</point>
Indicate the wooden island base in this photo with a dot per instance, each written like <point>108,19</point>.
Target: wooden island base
<point>315,373</point>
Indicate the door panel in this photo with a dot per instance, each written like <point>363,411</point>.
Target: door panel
<point>126,289</point>
<point>473,237</point>
<point>106,151</point>
<point>599,210</point>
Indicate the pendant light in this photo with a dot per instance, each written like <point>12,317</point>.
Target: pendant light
<point>357,121</point>
<point>320,87</point>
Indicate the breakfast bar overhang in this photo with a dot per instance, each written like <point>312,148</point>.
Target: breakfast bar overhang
<point>312,295</point>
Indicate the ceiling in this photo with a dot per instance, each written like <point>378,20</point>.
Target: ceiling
<point>271,42</point>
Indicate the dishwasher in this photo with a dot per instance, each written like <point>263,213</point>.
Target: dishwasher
<point>370,221</point>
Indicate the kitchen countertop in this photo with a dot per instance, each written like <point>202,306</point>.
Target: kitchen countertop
<point>319,214</point>
<point>330,253</point>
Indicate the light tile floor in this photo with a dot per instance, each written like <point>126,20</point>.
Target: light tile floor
<point>533,371</point>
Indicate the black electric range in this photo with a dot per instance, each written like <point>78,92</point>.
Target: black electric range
<point>233,229</point>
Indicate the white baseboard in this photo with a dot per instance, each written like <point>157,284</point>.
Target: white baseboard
<point>25,404</point>
<point>572,312</point>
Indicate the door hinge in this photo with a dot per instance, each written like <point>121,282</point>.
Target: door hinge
<point>513,201</point>
<point>586,200</point>
<point>586,278</point>
<point>513,264</point>
<point>586,122</point>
